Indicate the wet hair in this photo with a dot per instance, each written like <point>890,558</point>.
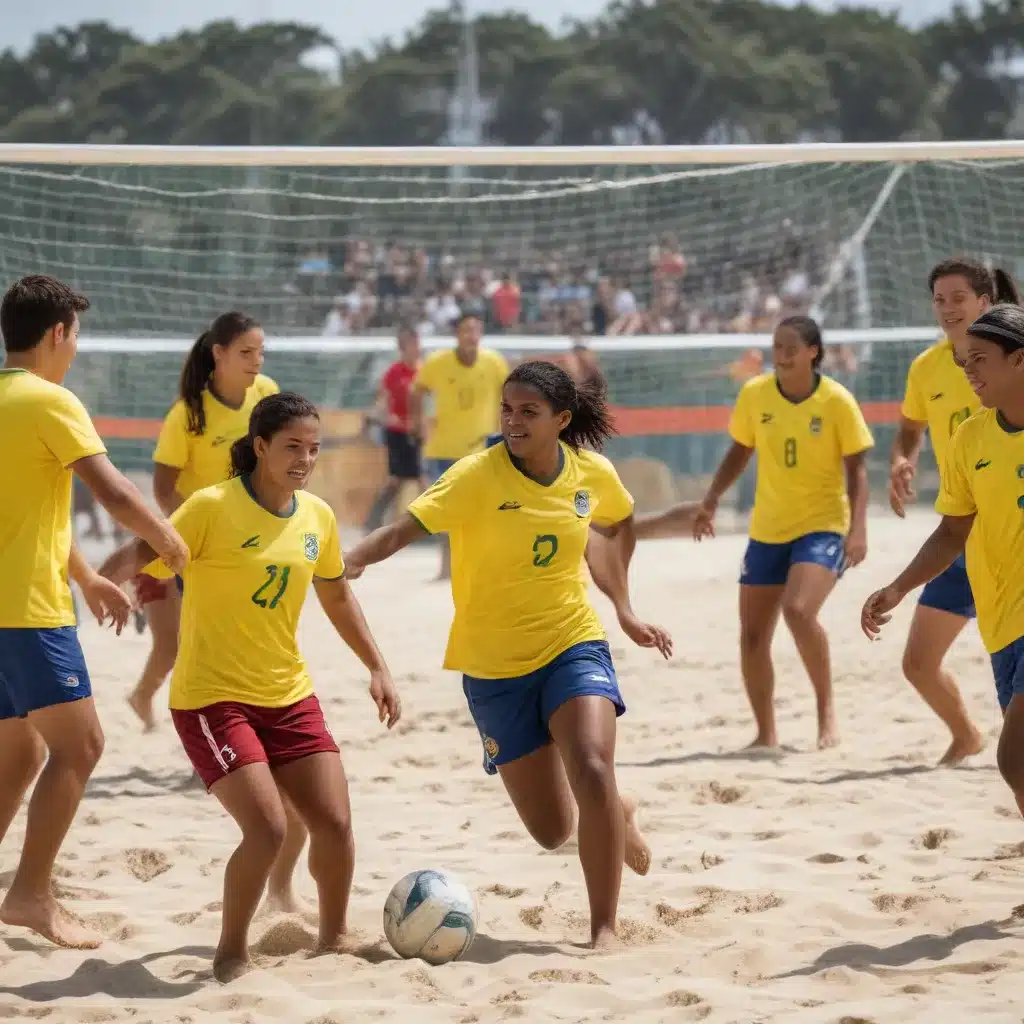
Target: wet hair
<point>591,421</point>
<point>810,334</point>
<point>199,364</point>
<point>1003,325</point>
<point>269,417</point>
<point>996,285</point>
<point>34,305</point>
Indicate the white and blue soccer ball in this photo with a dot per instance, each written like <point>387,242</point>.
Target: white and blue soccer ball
<point>430,915</point>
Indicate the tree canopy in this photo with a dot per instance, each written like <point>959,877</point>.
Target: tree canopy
<point>671,71</point>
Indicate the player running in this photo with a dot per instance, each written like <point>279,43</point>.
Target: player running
<point>241,697</point>
<point>47,712</point>
<point>537,670</point>
<point>939,397</point>
<point>465,383</point>
<point>982,497</point>
<point>220,384</point>
<point>809,521</point>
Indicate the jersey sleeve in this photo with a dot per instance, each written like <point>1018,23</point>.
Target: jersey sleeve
<point>741,422</point>
<point>854,433</point>
<point>67,431</point>
<point>267,386</point>
<point>191,519</point>
<point>614,502</point>
<point>914,407</point>
<point>331,564</point>
<point>441,508</point>
<point>172,446</point>
<point>955,495</point>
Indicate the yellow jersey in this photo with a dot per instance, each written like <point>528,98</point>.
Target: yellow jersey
<point>45,429</point>
<point>205,459</point>
<point>518,581</point>
<point>983,476</point>
<point>800,446</point>
<point>938,394</point>
<point>466,401</point>
<point>245,585</point>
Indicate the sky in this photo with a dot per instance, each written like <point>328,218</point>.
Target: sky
<point>352,23</point>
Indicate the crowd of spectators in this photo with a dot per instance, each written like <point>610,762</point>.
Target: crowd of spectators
<point>363,287</point>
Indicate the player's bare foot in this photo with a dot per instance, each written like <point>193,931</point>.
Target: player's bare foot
<point>962,748</point>
<point>143,708</point>
<point>46,917</point>
<point>229,966</point>
<point>604,938</point>
<point>764,741</point>
<point>339,942</point>
<point>828,734</point>
<point>638,853</point>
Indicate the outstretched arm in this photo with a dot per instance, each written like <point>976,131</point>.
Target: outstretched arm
<point>676,521</point>
<point>127,561</point>
<point>381,544</point>
<point>342,608</point>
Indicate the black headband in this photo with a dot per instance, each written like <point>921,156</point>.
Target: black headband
<point>989,332</point>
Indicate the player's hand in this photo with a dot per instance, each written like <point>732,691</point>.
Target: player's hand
<point>856,548</point>
<point>173,551</point>
<point>643,634</point>
<point>353,568</point>
<point>877,610</point>
<point>108,602</point>
<point>901,485</point>
<point>385,696</point>
<point>704,518</point>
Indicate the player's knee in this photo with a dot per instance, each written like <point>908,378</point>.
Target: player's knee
<point>554,831</point>
<point>593,775</point>
<point>755,636</point>
<point>82,750</point>
<point>917,666</point>
<point>332,824</point>
<point>1010,761</point>
<point>264,836</point>
<point>799,615</point>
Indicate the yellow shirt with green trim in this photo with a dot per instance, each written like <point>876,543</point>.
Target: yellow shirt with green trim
<point>518,580</point>
<point>244,587</point>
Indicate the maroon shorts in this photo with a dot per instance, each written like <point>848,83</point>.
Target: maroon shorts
<point>148,589</point>
<point>229,734</point>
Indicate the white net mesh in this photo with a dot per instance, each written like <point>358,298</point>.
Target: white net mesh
<point>627,252</point>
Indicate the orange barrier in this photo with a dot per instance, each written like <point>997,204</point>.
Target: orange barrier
<point>631,422</point>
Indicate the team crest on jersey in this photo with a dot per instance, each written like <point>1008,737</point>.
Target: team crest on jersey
<point>582,504</point>
<point>311,546</point>
<point>815,424</point>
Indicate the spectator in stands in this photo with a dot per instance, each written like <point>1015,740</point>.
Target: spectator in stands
<point>506,304</point>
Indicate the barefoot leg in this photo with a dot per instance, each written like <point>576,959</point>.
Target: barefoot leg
<point>280,885</point>
<point>807,587</point>
<point>318,790</point>
<point>163,617</point>
<point>1010,752</point>
<point>932,633</point>
<point>22,754</point>
<point>74,739</point>
<point>249,794</point>
<point>638,852</point>
<point>759,614</point>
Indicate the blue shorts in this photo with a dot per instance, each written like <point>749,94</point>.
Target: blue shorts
<point>768,565</point>
<point>436,468</point>
<point>40,668</point>
<point>512,714</point>
<point>950,591</point>
<point>1008,668</point>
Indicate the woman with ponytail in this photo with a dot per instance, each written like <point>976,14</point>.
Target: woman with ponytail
<point>938,397</point>
<point>241,698</point>
<point>981,502</point>
<point>536,668</point>
<point>220,384</point>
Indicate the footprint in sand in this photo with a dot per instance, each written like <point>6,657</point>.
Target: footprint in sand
<point>146,865</point>
<point>560,976</point>
<point>715,793</point>
<point>505,891</point>
<point>532,917</point>
<point>826,858</point>
<point>935,838</point>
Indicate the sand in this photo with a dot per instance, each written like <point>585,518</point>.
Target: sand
<point>854,885</point>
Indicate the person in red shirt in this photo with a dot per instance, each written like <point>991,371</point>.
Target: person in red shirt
<point>506,303</point>
<point>404,462</point>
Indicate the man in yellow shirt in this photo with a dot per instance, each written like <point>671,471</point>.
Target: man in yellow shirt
<point>46,706</point>
<point>982,497</point>
<point>465,383</point>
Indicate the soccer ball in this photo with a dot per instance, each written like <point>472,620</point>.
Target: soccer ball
<point>430,915</point>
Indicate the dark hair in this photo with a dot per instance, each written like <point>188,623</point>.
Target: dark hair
<point>464,315</point>
<point>1003,325</point>
<point>810,334</point>
<point>591,421</point>
<point>199,363</point>
<point>269,417</point>
<point>996,284</point>
<point>32,306</point>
